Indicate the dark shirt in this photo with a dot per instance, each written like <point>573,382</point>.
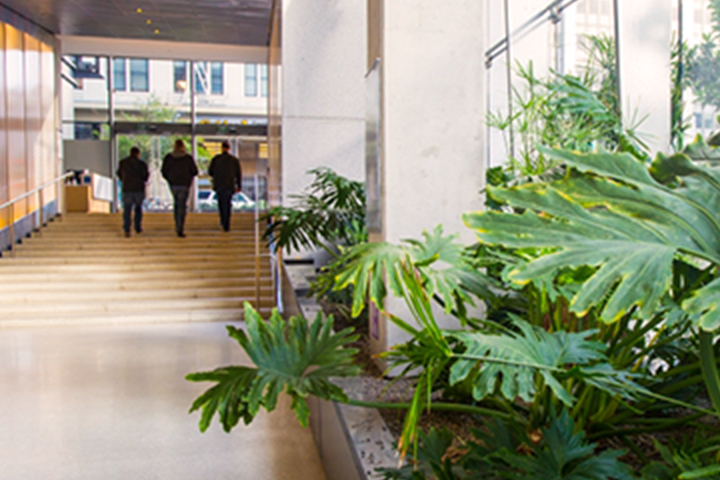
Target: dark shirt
<point>225,172</point>
<point>133,173</point>
<point>178,169</point>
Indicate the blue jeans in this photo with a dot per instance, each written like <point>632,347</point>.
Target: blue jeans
<point>132,201</point>
<point>180,195</point>
<point>224,207</point>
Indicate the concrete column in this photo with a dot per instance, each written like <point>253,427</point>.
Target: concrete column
<point>432,125</point>
<point>645,68</point>
<point>323,108</point>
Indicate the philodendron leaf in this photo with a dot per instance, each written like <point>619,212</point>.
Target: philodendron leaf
<point>511,363</point>
<point>296,357</point>
<point>609,213</point>
<point>506,452</point>
<point>437,265</point>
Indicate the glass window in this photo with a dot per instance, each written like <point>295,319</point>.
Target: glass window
<point>708,122</point>
<point>593,7</point>
<point>201,84</point>
<point>698,120</point>
<point>605,7</point>
<point>263,80</point>
<point>139,75</point>
<point>581,6</point>
<point>119,74</point>
<point>179,76</point>
<point>217,85</point>
<point>251,89</point>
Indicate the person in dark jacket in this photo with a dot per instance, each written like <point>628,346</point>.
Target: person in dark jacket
<point>227,179</point>
<point>133,173</point>
<point>179,169</point>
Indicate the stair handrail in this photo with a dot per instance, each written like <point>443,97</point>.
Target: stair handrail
<point>39,191</point>
<point>275,262</point>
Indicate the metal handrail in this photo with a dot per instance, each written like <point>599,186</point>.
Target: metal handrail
<point>275,263</point>
<point>35,190</point>
<point>41,204</point>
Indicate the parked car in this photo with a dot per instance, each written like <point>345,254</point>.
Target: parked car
<point>207,201</point>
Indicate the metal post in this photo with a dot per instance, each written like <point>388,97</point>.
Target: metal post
<point>508,56</point>
<point>616,14</point>
<point>61,196</point>
<point>113,140</point>
<point>12,229</point>
<point>680,76</point>
<point>193,129</point>
<point>257,247</point>
<point>41,211</point>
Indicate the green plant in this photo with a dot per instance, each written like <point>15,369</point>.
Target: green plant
<point>153,110</point>
<point>693,457</point>
<point>506,451</point>
<point>432,460</point>
<point>294,357</point>
<point>331,210</point>
<point>631,224</point>
<point>570,112</point>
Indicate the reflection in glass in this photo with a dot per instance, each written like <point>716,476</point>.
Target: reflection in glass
<point>250,80</point>
<point>139,75</point>
<point>217,78</point>
<point>179,76</point>
<point>119,74</point>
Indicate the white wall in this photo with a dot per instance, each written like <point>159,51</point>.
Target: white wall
<point>323,113</point>
<point>645,69</point>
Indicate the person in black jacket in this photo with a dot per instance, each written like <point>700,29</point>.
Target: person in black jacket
<point>227,179</point>
<point>179,169</point>
<point>133,173</point>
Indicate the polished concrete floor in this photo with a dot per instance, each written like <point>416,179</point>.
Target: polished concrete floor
<point>107,403</point>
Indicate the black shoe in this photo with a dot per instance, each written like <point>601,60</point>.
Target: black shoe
<point>181,234</point>
<point>127,234</point>
<point>139,230</point>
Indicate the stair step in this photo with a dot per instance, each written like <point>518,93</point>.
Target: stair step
<point>83,271</point>
<point>104,294</point>
<point>73,285</point>
<point>82,306</point>
<point>168,316</point>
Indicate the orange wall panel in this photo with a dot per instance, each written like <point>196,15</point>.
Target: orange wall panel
<point>4,189</point>
<point>50,162</point>
<point>32,116</point>
<point>14,77</point>
<point>28,120</point>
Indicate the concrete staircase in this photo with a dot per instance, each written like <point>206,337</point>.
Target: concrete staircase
<point>82,270</point>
